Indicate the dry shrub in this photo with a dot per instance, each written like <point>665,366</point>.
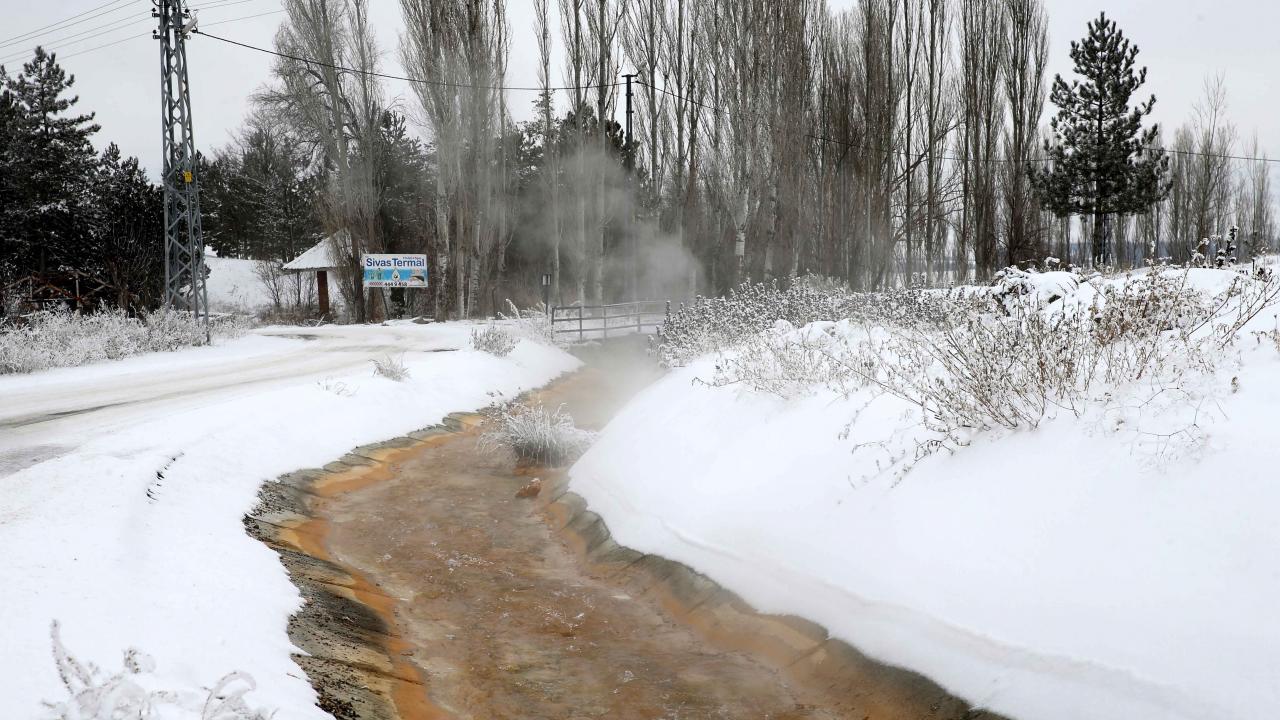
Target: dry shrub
<point>392,368</point>
<point>969,364</point>
<point>536,434</point>
<point>60,338</point>
<point>494,340</point>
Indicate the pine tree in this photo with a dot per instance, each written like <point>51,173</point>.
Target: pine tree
<point>54,216</point>
<point>128,247</point>
<point>1102,162</point>
<point>11,120</point>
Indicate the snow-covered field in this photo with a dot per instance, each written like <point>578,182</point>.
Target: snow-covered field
<point>1122,563</point>
<point>94,538</point>
<point>233,286</point>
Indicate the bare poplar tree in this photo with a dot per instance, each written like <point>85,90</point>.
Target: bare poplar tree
<point>550,144</point>
<point>573,32</point>
<point>338,112</point>
<point>982,50</point>
<point>459,48</point>
<point>1024,91</point>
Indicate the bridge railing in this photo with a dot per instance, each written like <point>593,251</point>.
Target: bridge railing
<point>592,322</point>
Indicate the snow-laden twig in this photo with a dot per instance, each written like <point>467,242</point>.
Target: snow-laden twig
<point>96,695</point>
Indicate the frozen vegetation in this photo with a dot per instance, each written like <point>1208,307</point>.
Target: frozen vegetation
<point>93,694</point>
<point>493,339</point>
<point>536,434</point>
<point>1052,495</point>
<point>59,338</point>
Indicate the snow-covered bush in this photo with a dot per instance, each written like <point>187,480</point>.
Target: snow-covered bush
<point>532,323</point>
<point>493,339</point>
<point>391,368</point>
<point>61,338</point>
<point>536,434</point>
<point>1014,287</point>
<point>787,362</point>
<point>127,695</point>
<point>1050,342</point>
<point>709,324</point>
<point>976,371</point>
<point>712,324</point>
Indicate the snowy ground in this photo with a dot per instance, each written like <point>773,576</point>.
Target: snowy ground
<point>1117,565</point>
<point>92,538</point>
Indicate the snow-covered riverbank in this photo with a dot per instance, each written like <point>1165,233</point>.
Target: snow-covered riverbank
<point>1119,563</point>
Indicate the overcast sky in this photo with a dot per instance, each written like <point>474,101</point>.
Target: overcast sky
<point>1182,42</point>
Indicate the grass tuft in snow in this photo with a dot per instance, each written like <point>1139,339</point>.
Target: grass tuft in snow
<point>392,368</point>
<point>536,434</point>
<point>60,338</point>
<point>337,387</point>
<point>493,339</point>
<point>96,695</point>
<point>532,323</point>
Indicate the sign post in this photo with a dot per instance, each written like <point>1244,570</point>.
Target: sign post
<point>394,270</point>
<point>546,291</point>
<point>385,270</point>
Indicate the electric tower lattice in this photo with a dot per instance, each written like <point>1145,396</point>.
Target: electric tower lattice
<point>184,273</point>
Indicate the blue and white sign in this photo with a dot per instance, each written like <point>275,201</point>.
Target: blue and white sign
<point>395,271</point>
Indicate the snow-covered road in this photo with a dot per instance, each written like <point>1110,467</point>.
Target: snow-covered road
<point>47,414</point>
<point>123,486</point>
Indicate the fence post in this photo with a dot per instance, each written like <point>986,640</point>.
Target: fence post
<point>580,309</point>
<point>552,311</point>
<point>604,309</point>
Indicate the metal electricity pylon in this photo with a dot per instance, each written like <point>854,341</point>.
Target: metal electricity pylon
<point>184,284</point>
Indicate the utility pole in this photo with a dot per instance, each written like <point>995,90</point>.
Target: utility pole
<point>629,158</point>
<point>184,284</point>
<point>629,163</point>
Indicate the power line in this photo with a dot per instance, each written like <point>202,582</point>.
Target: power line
<point>218,4</point>
<point>24,53</point>
<point>107,45</point>
<point>64,24</point>
<point>66,42</point>
<point>246,17</point>
<point>101,30</point>
<point>387,76</point>
<point>35,37</point>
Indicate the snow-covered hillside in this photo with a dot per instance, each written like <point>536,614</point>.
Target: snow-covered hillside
<point>1116,561</point>
<point>124,486</point>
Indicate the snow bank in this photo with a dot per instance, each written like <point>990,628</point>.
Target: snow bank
<point>1116,565</point>
<point>130,533</point>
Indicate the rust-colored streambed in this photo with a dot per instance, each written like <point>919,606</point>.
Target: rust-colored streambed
<point>435,592</point>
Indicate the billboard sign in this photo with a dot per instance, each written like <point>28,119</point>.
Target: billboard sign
<point>394,271</point>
